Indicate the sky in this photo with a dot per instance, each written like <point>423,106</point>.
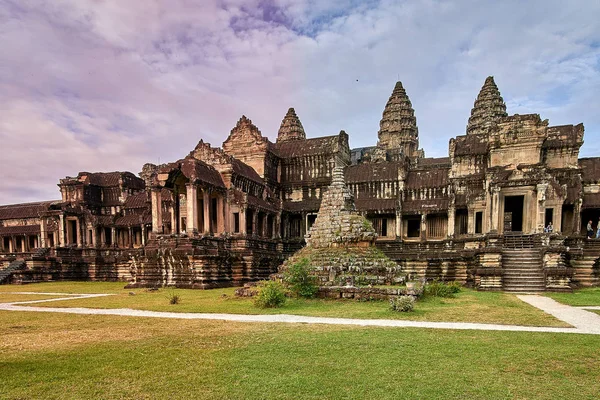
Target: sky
<point>93,85</point>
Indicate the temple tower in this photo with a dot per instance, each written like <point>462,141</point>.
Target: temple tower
<point>291,128</point>
<point>488,109</point>
<point>398,132</point>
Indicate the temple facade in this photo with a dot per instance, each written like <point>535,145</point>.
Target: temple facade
<point>512,188</point>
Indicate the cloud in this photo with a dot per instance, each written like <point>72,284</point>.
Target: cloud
<point>106,85</point>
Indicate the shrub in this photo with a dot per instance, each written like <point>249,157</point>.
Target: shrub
<point>402,303</point>
<point>299,280</point>
<point>271,294</point>
<point>174,298</point>
<point>441,289</point>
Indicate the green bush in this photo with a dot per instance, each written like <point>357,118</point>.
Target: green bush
<point>402,303</point>
<point>173,297</point>
<point>441,289</point>
<point>299,280</point>
<point>271,294</point>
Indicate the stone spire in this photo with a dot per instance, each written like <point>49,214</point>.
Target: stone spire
<point>338,223</point>
<point>291,128</point>
<point>398,127</point>
<point>488,109</point>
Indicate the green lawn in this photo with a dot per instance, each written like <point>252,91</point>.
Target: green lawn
<point>54,356</point>
<point>581,297</point>
<point>468,306</point>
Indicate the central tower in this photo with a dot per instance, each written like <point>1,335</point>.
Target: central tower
<point>398,132</point>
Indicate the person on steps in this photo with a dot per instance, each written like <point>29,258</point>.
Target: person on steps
<point>590,230</point>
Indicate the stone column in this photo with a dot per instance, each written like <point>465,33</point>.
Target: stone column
<point>557,218</point>
<point>43,233</point>
<point>174,216</point>
<point>451,220</point>
<point>277,226</point>
<point>94,236</point>
<point>495,209</point>
<point>157,226</point>
<point>540,207</point>
<point>423,226</point>
<point>130,233</point>
<point>255,223</point>
<point>206,199</point>
<point>78,234</point>
<point>192,208</point>
<point>243,221</point>
<point>103,237</point>
<point>61,230</point>
<point>220,215</point>
<point>470,221</point>
<point>113,237</point>
<point>577,216</point>
<point>303,230</point>
<point>143,234</point>
<point>227,216</point>
<point>398,224</point>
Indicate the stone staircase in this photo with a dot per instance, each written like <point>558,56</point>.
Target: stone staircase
<point>517,241</point>
<point>6,273</point>
<point>587,265</point>
<point>522,270</point>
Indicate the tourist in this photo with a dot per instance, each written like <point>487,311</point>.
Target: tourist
<point>598,229</point>
<point>590,230</point>
<point>549,228</point>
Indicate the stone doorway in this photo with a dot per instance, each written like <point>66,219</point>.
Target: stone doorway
<point>513,213</point>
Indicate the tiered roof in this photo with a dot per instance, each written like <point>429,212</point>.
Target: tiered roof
<point>488,108</point>
<point>291,128</point>
<point>398,123</point>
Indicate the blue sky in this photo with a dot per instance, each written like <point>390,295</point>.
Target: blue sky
<point>91,85</point>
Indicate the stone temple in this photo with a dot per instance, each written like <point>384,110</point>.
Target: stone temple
<point>225,216</point>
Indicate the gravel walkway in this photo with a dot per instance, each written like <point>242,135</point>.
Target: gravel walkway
<point>584,322</point>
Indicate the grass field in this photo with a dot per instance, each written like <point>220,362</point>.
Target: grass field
<point>582,297</point>
<point>54,356</point>
<point>467,306</point>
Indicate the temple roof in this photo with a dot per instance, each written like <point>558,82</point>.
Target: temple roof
<point>418,179</point>
<point>110,179</point>
<point>488,108</point>
<point>398,118</point>
<point>243,169</point>
<point>323,145</point>
<point>372,172</point>
<point>433,162</point>
<point>564,136</point>
<point>195,170</point>
<point>139,200</point>
<point>590,168</point>
<point>470,145</point>
<point>376,204</point>
<point>291,128</point>
<point>24,210</point>
<point>20,230</point>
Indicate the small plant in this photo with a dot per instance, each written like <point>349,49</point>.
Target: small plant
<point>441,289</point>
<point>173,297</point>
<point>402,303</point>
<point>271,294</point>
<point>299,280</point>
<point>367,225</point>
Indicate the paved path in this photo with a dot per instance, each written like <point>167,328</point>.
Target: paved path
<point>580,319</point>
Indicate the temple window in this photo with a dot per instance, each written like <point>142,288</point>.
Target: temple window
<point>236,222</point>
<point>479,222</point>
<point>413,227</point>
